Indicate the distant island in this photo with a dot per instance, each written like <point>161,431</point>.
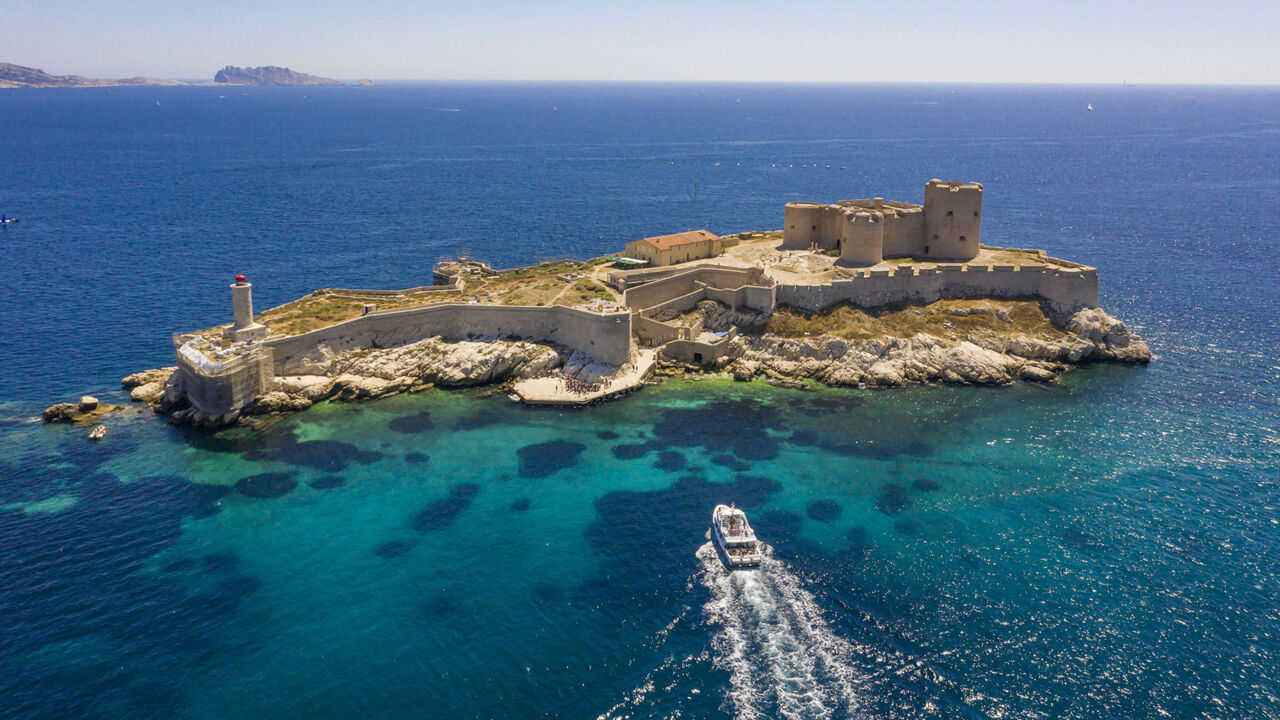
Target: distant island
<point>20,76</point>
<point>269,75</point>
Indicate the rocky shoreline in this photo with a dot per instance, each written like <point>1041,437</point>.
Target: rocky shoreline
<point>1089,335</point>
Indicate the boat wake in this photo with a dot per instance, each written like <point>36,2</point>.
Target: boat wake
<point>782,657</point>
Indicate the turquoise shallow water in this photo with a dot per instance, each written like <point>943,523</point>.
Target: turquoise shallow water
<point>1106,547</point>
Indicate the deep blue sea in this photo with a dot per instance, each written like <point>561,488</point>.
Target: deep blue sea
<point>1105,548</point>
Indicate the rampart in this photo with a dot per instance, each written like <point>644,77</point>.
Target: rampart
<point>1065,289</point>
<point>605,338</point>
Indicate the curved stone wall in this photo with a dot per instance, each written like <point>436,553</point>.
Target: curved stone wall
<point>802,226</point>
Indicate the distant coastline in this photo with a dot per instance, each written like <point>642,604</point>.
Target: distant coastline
<point>20,76</point>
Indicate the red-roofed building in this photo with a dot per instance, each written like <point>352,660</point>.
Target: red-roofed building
<point>677,248</point>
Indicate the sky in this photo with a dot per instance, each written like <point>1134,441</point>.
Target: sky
<point>1229,41</point>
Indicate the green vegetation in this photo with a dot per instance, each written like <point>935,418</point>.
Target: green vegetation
<point>993,318</point>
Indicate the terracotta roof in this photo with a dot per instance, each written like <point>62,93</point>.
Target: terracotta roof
<point>666,242</point>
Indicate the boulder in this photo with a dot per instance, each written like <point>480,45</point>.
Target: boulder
<point>87,404</point>
<point>147,377</point>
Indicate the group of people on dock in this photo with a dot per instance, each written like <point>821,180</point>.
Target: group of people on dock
<point>579,386</point>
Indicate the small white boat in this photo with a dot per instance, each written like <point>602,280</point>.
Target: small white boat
<point>1090,107</point>
<point>734,539</point>
<point>98,433</point>
<point>8,220</point>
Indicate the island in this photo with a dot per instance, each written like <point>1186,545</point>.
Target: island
<point>268,75</point>
<point>20,76</point>
<point>863,293</point>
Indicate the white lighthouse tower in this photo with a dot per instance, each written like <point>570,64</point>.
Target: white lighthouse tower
<point>243,326</point>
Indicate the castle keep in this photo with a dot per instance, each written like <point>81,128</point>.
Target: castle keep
<point>865,232</point>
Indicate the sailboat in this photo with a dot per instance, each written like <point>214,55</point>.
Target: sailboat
<point>1089,107</point>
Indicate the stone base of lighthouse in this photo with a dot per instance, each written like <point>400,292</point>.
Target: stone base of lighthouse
<point>248,332</point>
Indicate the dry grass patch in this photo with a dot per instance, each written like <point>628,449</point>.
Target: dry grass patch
<point>992,318</point>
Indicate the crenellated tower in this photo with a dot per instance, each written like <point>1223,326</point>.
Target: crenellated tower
<point>952,220</point>
<point>862,238</point>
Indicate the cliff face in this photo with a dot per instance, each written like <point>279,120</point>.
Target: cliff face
<point>20,76</point>
<point>268,75</point>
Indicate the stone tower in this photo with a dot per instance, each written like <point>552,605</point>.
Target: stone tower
<point>803,225</point>
<point>952,220</point>
<point>243,326</point>
<point>862,238</point>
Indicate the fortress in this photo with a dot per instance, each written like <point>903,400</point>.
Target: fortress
<point>865,232</point>
<point>604,312</point>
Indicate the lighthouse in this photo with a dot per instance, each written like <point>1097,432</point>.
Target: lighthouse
<point>243,326</point>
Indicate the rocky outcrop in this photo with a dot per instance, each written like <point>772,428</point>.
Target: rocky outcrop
<point>87,410</point>
<point>375,373</point>
<point>268,75</point>
<point>148,386</point>
<point>1091,335</point>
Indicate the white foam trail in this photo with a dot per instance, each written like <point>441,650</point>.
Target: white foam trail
<point>782,657</point>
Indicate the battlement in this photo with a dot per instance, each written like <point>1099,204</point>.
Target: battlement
<point>937,185</point>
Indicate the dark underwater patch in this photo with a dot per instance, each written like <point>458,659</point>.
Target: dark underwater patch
<point>330,455</point>
<point>737,426</point>
<point>823,510</point>
<point>860,544</point>
<point>804,437</point>
<point>522,504</point>
<point>417,458</point>
<point>393,549</point>
<point>328,482</point>
<point>908,527</point>
<point>477,420</point>
<point>1081,540</point>
<point>238,587</point>
<point>412,424</point>
<point>893,499</point>
<point>633,451</point>
<point>266,485</point>
<point>220,562</point>
<point>548,592</point>
<point>439,606</point>
<point>725,460</point>
<point>180,566</point>
<point>926,485</point>
<point>670,461</point>
<point>546,459</point>
<point>444,512</point>
<point>775,526</point>
<point>607,435</point>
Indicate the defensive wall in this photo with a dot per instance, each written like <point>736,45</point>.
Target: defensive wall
<point>218,387</point>
<point>1065,289</point>
<point>604,338</point>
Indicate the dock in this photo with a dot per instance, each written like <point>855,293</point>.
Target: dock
<point>554,391</point>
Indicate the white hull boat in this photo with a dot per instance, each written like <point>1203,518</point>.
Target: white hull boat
<point>735,541</point>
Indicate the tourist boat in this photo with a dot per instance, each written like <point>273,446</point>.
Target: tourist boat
<point>734,539</point>
<point>98,433</point>
<point>8,221</point>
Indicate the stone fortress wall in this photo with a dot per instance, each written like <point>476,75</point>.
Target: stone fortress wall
<point>604,337</point>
